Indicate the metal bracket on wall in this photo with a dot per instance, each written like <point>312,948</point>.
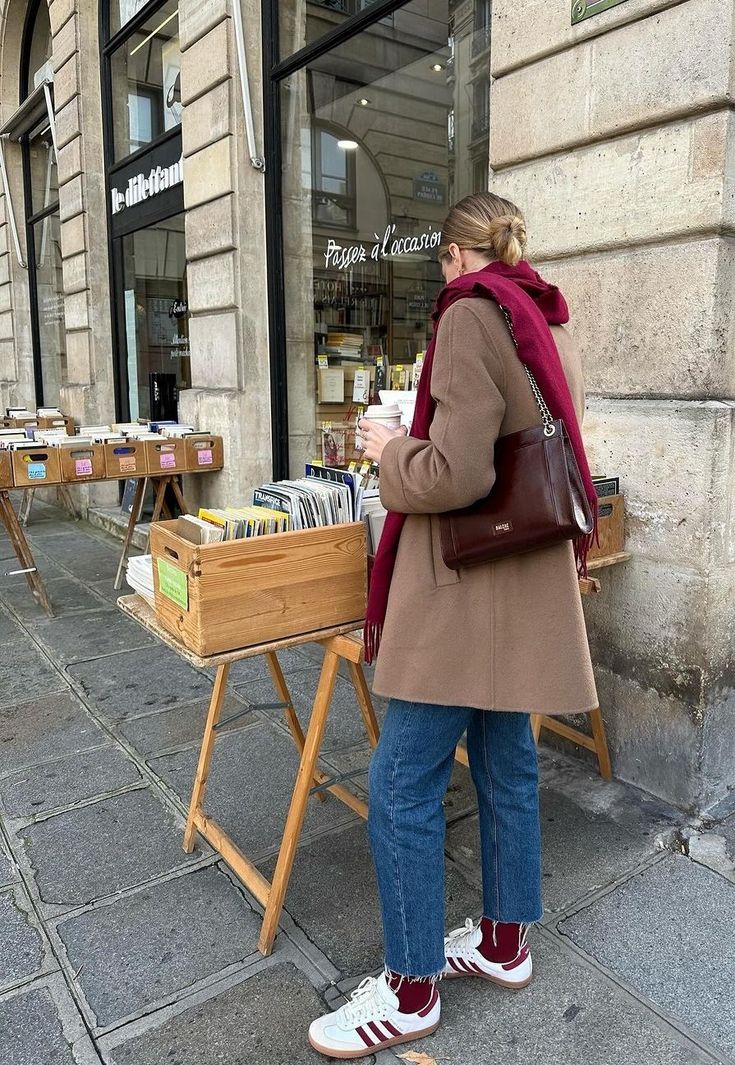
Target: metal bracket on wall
<point>257,161</point>
<point>9,206</point>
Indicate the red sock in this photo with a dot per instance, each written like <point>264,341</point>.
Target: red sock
<point>501,941</point>
<point>413,995</point>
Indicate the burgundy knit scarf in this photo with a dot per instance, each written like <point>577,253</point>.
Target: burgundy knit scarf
<point>532,306</point>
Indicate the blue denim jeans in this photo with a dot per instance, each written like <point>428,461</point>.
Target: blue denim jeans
<point>409,776</point>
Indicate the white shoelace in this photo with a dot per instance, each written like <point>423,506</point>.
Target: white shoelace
<point>364,1002</point>
<point>460,937</point>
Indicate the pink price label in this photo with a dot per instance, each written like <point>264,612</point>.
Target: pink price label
<point>83,467</point>
<point>204,457</point>
<point>128,465</point>
<point>168,459</point>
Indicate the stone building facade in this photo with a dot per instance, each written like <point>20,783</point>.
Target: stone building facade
<point>615,135</point>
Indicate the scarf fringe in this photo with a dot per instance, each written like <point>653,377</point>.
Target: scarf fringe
<point>372,634</point>
<point>584,544</point>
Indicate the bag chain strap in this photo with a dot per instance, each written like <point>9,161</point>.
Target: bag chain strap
<point>549,427</point>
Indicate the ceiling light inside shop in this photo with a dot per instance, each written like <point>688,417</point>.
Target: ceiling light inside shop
<point>437,67</point>
<point>363,102</point>
<point>347,146</point>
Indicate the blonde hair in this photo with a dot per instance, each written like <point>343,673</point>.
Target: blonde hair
<point>486,223</point>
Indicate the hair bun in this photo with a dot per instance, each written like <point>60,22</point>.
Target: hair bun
<point>508,238</point>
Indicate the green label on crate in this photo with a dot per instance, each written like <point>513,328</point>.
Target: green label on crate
<point>172,583</point>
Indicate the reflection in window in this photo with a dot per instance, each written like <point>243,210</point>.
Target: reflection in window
<point>146,82</point>
<point>380,136</point>
<point>156,312</point>
<point>43,226</point>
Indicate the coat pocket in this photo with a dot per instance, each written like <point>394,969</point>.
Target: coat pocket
<point>443,575</point>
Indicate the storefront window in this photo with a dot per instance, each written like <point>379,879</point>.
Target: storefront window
<point>156,317</point>
<point>146,82</point>
<point>306,21</point>
<point>380,135</point>
<point>42,220</point>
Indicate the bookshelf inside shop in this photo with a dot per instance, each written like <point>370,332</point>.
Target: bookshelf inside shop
<point>371,329</point>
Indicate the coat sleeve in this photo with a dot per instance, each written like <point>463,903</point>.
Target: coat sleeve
<point>454,467</point>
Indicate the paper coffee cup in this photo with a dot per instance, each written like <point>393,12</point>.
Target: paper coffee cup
<point>387,414</point>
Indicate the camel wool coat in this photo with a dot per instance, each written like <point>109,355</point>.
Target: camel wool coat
<point>504,635</point>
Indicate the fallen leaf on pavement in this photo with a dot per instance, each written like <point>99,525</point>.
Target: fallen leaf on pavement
<point>418,1059</point>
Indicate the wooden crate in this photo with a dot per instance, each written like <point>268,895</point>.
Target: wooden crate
<point>64,422</point>
<point>203,452</point>
<point>82,462</point>
<point>166,456</point>
<point>36,466</point>
<point>125,458</point>
<point>611,524</point>
<point>6,469</point>
<point>222,597</point>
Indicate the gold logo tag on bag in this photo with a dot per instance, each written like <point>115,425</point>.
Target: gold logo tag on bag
<point>503,527</point>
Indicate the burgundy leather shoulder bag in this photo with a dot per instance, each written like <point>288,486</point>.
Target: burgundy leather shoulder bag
<point>538,498</point>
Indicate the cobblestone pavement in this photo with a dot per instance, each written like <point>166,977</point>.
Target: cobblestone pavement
<point>117,947</point>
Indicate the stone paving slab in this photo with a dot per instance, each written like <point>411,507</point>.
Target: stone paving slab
<point>125,685</point>
<point>96,850</point>
<point>23,951</point>
<point>8,871</point>
<point>93,635</point>
<point>159,941</point>
<point>67,595</point>
<point>83,556</point>
<point>37,790</point>
<point>344,723</point>
<point>669,932</point>
<point>27,675</point>
<point>569,1014</point>
<point>180,726</point>
<point>40,1025</point>
<point>333,896</point>
<point>249,787</point>
<point>251,670</point>
<point>31,732</point>
<point>262,1021</point>
<point>580,851</point>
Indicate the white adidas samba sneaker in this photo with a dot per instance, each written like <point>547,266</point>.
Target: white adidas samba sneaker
<point>464,959</point>
<point>371,1021</point>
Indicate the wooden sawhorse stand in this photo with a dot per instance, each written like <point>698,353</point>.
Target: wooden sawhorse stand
<point>339,645</point>
<point>23,553</point>
<point>160,507</point>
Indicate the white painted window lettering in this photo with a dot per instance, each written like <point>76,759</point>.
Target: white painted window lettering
<point>343,256</point>
<point>143,187</point>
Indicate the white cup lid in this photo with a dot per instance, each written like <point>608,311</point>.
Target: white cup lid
<point>379,410</point>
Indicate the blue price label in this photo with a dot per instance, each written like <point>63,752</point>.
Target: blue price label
<point>37,471</point>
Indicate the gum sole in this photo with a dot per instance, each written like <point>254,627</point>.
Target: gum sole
<point>367,1051</point>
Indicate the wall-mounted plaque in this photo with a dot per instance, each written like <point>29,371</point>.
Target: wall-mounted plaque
<point>583,9</point>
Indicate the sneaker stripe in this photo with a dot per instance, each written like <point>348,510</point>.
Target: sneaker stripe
<point>430,1005</point>
<point>517,961</point>
<point>454,964</point>
<point>477,968</point>
<point>463,966</point>
<point>391,1028</point>
<point>367,1039</point>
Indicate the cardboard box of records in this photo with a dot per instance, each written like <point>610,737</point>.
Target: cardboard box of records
<point>81,460</point>
<point>165,456</point>
<point>204,452</point>
<point>223,596</point>
<point>36,464</point>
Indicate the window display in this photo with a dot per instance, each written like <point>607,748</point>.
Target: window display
<point>380,135</point>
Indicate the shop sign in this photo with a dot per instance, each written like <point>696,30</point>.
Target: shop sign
<point>143,187</point>
<point>584,9</point>
<point>388,246</point>
<point>428,188</point>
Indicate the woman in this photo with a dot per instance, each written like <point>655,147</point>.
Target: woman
<point>476,650</point>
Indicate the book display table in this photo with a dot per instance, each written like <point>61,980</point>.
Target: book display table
<point>340,645</point>
<point>23,552</point>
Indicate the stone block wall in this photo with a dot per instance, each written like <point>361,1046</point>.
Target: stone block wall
<point>225,247</point>
<point>616,137</point>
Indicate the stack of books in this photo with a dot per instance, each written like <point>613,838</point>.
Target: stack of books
<point>139,575</point>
